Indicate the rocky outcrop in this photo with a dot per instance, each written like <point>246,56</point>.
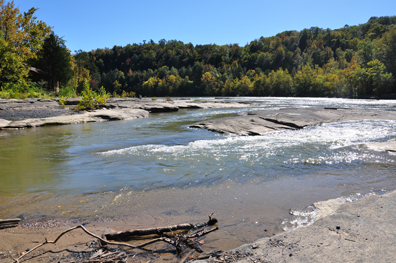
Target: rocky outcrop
<point>92,116</point>
<point>260,122</point>
<point>359,231</point>
<point>4,123</point>
<point>25,113</point>
<point>168,106</point>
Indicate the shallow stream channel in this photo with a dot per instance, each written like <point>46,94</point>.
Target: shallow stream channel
<point>157,171</point>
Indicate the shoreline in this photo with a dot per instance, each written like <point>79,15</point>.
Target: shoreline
<point>343,231</point>
<point>358,231</point>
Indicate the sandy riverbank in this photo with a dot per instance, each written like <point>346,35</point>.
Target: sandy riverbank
<point>359,231</point>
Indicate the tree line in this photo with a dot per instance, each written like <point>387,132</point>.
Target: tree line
<point>353,61</point>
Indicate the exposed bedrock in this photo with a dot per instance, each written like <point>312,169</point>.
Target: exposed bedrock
<point>263,121</point>
<point>92,116</point>
<point>360,231</point>
<point>19,113</point>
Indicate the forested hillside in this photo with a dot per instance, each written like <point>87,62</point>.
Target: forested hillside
<point>353,61</point>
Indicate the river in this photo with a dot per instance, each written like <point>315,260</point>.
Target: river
<point>157,170</point>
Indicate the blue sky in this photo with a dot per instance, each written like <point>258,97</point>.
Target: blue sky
<point>88,24</point>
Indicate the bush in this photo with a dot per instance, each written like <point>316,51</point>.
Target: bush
<point>15,91</point>
<point>90,100</point>
<point>68,92</point>
<point>62,101</point>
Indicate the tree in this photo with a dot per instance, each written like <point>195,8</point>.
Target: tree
<point>365,51</point>
<point>280,83</point>
<point>243,86</point>
<point>358,80</point>
<point>82,75</point>
<point>210,84</point>
<point>380,80</point>
<point>21,38</point>
<point>12,67</point>
<point>387,52</point>
<point>54,60</point>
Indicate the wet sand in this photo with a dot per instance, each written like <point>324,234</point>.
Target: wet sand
<point>359,231</point>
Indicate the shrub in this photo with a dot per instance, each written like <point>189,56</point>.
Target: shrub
<point>90,100</point>
<point>15,91</point>
<point>68,92</point>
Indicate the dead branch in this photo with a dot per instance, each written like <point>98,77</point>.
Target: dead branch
<point>107,257</point>
<point>176,240</point>
<point>201,233</point>
<point>159,230</point>
<point>6,223</point>
<point>146,232</point>
<point>71,229</point>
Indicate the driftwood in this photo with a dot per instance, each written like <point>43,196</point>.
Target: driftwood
<point>6,223</point>
<point>145,232</point>
<point>176,240</point>
<point>158,231</point>
<point>67,231</point>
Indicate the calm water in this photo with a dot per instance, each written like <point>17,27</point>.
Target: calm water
<point>158,169</point>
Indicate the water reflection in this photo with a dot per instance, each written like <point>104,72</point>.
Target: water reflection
<point>29,159</point>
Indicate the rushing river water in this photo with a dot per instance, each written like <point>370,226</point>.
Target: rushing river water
<point>158,169</point>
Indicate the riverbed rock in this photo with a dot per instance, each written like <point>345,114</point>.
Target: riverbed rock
<point>4,123</point>
<point>389,146</point>
<point>260,122</point>
<point>359,231</point>
<point>169,106</point>
<point>25,113</point>
<point>91,116</point>
<point>72,101</point>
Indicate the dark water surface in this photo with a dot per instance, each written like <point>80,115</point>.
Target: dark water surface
<point>158,170</point>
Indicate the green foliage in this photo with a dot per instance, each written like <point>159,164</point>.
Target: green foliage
<point>15,91</point>
<point>62,101</point>
<point>380,80</point>
<point>90,100</point>
<point>67,91</point>
<point>101,100</point>
<point>312,62</point>
<point>55,61</point>
<point>21,37</point>
<point>102,91</point>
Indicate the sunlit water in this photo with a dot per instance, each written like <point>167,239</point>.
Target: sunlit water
<point>158,168</point>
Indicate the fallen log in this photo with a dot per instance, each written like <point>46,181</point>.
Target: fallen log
<point>121,235</point>
<point>145,232</point>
